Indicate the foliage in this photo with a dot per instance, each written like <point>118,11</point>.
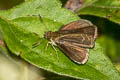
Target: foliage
<point>22,27</point>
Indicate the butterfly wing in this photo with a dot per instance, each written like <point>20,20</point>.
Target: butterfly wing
<point>76,25</point>
<point>80,33</point>
<point>82,37</point>
<point>77,54</point>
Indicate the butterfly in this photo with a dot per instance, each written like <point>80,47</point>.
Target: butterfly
<point>74,39</point>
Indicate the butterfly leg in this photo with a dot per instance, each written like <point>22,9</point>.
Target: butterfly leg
<point>55,52</point>
<point>52,43</point>
<point>46,45</point>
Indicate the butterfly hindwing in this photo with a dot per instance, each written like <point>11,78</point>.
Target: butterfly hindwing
<point>77,54</point>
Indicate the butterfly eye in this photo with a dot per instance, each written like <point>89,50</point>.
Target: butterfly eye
<point>47,35</point>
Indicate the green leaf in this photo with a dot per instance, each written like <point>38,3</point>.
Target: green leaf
<point>49,9</point>
<point>109,9</point>
<point>15,68</point>
<point>20,34</point>
<point>111,47</point>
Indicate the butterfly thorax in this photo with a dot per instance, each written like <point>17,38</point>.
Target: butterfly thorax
<point>51,35</point>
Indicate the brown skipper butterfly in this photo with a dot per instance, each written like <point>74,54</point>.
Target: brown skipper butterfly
<point>74,39</point>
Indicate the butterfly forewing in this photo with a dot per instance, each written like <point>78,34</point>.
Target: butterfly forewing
<point>81,40</point>
<point>82,37</point>
<point>76,25</point>
<point>82,33</point>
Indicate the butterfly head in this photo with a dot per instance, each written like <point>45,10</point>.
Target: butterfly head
<point>47,35</point>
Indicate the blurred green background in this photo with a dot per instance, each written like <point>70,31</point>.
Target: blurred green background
<point>7,4</point>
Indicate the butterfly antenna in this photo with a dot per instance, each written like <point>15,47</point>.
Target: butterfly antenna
<point>41,20</point>
<point>39,42</point>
